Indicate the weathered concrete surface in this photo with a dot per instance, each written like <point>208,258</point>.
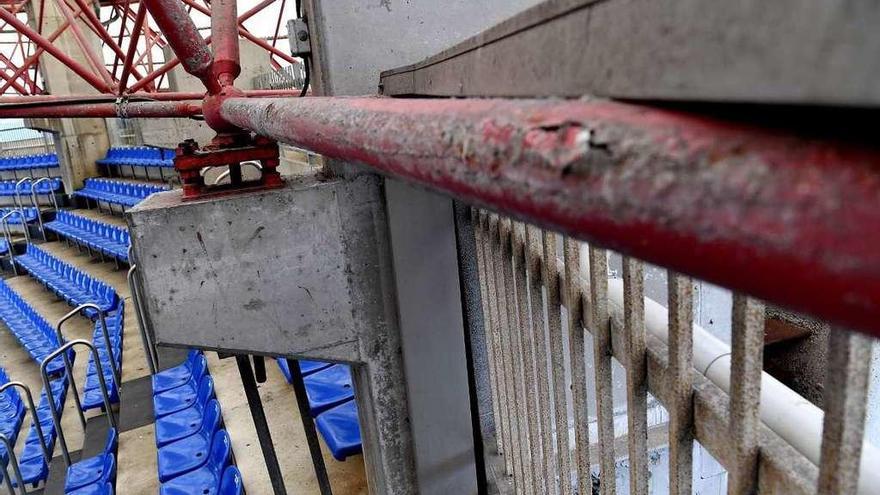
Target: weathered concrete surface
<point>226,274</point>
<point>302,271</point>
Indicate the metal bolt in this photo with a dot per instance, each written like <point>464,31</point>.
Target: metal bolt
<point>302,35</point>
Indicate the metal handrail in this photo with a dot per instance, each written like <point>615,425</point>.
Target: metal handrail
<point>8,235</point>
<point>18,184</point>
<point>146,341</point>
<point>77,310</point>
<point>10,449</point>
<point>36,202</point>
<point>56,418</point>
<point>34,416</point>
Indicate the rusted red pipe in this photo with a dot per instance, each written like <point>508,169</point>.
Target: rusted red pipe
<point>147,109</point>
<point>787,219</point>
<point>224,32</point>
<point>47,45</point>
<point>128,65</point>
<point>95,60</point>
<point>183,36</point>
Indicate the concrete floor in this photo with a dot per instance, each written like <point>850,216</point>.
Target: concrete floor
<point>137,448</point>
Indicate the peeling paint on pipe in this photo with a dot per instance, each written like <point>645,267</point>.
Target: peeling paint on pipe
<point>781,217</point>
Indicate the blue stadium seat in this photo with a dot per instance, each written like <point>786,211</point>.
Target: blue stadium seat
<point>179,425</point>
<point>29,215</point>
<point>329,387</point>
<point>8,187</point>
<point>34,333</point>
<point>98,470</point>
<point>116,191</point>
<point>192,452</point>
<point>212,477</point>
<point>102,237</point>
<point>71,284</point>
<point>28,162</point>
<point>32,463</point>
<point>12,411</point>
<point>92,397</point>
<point>178,375</point>
<point>139,156</point>
<point>306,367</point>
<point>182,397</point>
<point>341,431</point>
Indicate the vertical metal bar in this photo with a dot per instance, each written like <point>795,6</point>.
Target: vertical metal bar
<point>481,231</point>
<point>636,374</point>
<point>530,402</point>
<point>747,352</point>
<point>581,455</point>
<point>260,423</point>
<point>534,250</point>
<point>554,325</point>
<point>302,402</point>
<point>681,407</point>
<point>501,287</point>
<point>10,452</point>
<point>601,329</point>
<point>512,334</point>
<point>224,32</point>
<point>846,391</point>
<point>128,66</point>
<point>500,366</point>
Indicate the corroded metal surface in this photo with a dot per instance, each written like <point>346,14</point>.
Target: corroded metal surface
<point>779,216</point>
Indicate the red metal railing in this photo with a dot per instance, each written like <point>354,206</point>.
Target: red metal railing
<point>778,216</point>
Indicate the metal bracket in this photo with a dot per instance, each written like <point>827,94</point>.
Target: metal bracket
<point>300,44</point>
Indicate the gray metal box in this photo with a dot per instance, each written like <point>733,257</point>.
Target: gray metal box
<point>297,271</point>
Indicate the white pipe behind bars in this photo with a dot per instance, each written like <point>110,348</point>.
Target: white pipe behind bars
<point>792,417</point>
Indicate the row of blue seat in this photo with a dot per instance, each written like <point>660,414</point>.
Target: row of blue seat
<point>33,465</point>
<point>95,475</point>
<point>138,156</point>
<point>331,402</point>
<point>92,398</point>
<point>12,412</point>
<point>117,192</point>
<point>28,214</point>
<point>71,284</point>
<point>195,453</point>
<point>34,333</point>
<point>8,187</point>
<point>100,236</point>
<point>27,162</point>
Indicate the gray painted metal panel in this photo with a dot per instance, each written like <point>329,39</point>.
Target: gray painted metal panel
<point>790,51</point>
<point>422,230</point>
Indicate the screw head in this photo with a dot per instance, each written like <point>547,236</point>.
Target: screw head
<point>302,35</point>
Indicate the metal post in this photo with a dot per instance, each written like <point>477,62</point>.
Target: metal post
<point>146,341</point>
<point>107,342</point>
<point>302,402</point>
<point>34,417</point>
<point>5,220</point>
<point>10,450</point>
<point>56,417</point>
<point>260,423</point>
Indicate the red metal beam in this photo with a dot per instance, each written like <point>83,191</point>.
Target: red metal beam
<point>148,109</point>
<point>183,36</point>
<point>788,219</point>
<point>127,66</point>
<point>62,57</point>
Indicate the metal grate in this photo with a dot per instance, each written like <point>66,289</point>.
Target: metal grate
<point>532,281</point>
